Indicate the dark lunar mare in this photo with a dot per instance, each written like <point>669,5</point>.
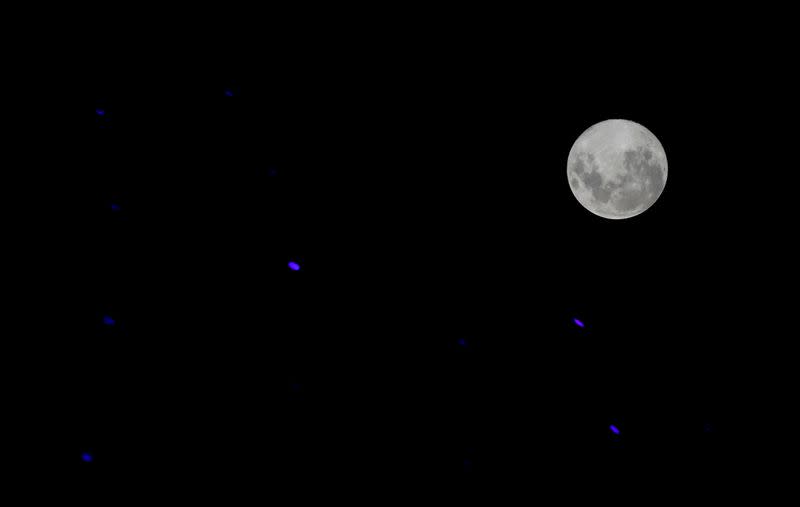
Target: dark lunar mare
<point>582,159</point>
<point>592,180</point>
<point>578,166</point>
<point>641,166</point>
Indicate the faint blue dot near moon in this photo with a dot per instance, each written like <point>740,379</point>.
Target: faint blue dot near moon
<point>617,169</point>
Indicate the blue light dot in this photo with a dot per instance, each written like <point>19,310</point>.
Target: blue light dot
<point>108,321</point>
<point>100,112</point>
<point>462,342</point>
<point>115,207</point>
<point>228,93</point>
<point>614,429</point>
<point>87,457</point>
<point>294,266</point>
<point>578,322</point>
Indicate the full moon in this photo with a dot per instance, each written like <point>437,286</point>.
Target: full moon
<point>617,169</point>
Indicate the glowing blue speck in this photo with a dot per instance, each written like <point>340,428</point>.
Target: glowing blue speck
<point>100,112</point>
<point>462,342</point>
<point>614,429</point>
<point>108,321</point>
<point>87,457</point>
<point>578,322</point>
<point>114,207</point>
<point>294,266</point>
<point>228,93</point>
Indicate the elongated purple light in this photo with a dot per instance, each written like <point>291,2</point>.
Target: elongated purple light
<point>108,321</point>
<point>578,322</point>
<point>294,266</point>
<point>614,429</point>
<point>100,112</point>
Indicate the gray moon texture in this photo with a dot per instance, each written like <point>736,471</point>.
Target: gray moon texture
<point>617,169</point>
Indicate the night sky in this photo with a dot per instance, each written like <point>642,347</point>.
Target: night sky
<point>353,262</point>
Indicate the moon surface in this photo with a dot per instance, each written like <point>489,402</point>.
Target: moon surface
<point>617,169</point>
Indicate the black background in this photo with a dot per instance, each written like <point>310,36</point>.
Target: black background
<point>417,176</point>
